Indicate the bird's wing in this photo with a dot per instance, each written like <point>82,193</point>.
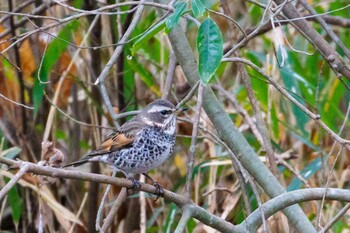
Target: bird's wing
<point>122,138</point>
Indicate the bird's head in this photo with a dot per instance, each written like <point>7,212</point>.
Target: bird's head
<point>161,113</point>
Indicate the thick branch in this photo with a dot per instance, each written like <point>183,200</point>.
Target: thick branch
<point>253,221</point>
<point>199,213</point>
<point>231,135</point>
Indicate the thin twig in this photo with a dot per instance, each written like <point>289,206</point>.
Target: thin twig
<point>241,111</point>
<point>119,49</point>
<point>23,170</point>
<point>103,201</point>
<point>230,19</point>
<point>254,33</point>
<point>17,9</point>
<point>325,27</point>
<point>36,11</point>
<point>143,216</point>
<point>315,117</point>
<point>257,196</point>
<point>236,164</point>
<point>170,76</point>
<point>186,216</point>
<point>189,95</point>
<point>296,173</point>
<point>113,212</point>
<point>259,120</point>
<point>52,111</point>
<point>319,215</point>
<point>11,62</point>
<point>315,15</point>
<point>335,219</point>
<point>190,163</point>
<point>216,189</point>
<point>16,103</point>
<point>79,211</point>
<point>73,119</point>
<point>102,77</point>
<point>19,72</point>
<point>336,63</point>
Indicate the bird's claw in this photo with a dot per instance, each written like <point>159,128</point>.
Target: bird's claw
<point>136,186</point>
<point>159,190</point>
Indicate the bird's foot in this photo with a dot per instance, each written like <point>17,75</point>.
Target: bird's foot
<point>159,190</point>
<point>136,186</point>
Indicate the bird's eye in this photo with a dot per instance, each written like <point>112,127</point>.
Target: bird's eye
<point>164,112</point>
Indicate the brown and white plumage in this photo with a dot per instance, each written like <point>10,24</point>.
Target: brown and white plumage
<point>140,144</point>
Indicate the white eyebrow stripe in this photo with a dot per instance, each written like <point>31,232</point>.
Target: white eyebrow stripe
<point>152,123</point>
<point>158,109</point>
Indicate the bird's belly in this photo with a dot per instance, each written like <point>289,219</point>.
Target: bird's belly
<point>143,157</point>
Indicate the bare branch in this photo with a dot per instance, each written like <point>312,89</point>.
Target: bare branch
<point>252,222</point>
<point>198,212</point>
<point>170,76</point>
<point>190,162</point>
<point>23,170</point>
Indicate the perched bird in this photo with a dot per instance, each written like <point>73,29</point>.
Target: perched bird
<point>141,144</point>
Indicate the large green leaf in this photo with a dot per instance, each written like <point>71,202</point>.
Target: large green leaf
<point>198,7</point>
<point>53,53</point>
<point>210,49</point>
<point>174,18</point>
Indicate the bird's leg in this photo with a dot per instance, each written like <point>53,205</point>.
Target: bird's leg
<point>135,183</point>
<point>136,186</point>
<point>159,189</point>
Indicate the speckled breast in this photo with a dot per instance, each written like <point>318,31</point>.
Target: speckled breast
<point>150,149</point>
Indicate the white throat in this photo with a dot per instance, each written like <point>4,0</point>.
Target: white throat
<point>169,125</point>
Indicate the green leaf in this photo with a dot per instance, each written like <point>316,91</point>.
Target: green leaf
<point>331,98</point>
<point>15,203</point>
<point>153,218</point>
<point>191,225</point>
<point>129,81</point>
<point>290,79</point>
<point>274,121</point>
<point>198,7</point>
<point>174,18</point>
<point>145,76</point>
<point>170,218</point>
<point>52,55</point>
<point>210,49</point>
<point>306,173</point>
<point>141,42</point>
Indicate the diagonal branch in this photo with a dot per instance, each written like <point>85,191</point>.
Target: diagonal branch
<point>231,135</point>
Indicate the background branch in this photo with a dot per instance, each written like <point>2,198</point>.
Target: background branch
<point>230,134</point>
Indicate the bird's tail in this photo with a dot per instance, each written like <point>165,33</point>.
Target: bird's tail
<point>76,163</point>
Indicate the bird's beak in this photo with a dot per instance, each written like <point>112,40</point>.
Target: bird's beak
<point>180,110</point>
